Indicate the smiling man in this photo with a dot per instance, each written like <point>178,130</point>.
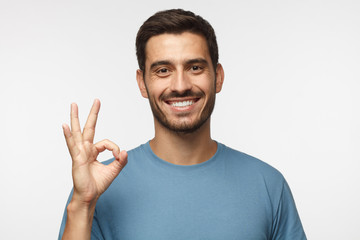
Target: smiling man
<point>179,70</point>
<point>181,184</point>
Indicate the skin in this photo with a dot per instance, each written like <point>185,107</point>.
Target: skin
<point>178,68</point>
<point>90,177</point>
<point>176,64</point>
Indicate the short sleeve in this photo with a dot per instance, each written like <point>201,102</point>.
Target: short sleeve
<point>63,221</point>
<point>96,233</point>
<point>287,223</point>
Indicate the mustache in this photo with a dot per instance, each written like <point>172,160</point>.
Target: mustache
<point>187,93</point>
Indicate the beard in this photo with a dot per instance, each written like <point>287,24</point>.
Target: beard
<point>179,126</point>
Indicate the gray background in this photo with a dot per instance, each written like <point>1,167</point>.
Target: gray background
<point>290,98</point>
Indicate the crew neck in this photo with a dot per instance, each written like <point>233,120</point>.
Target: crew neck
<point>181,168</point>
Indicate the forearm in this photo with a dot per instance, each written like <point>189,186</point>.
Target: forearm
<point>79,221</point>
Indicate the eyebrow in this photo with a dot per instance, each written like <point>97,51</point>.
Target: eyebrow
<point>188,62</point>
<point>158,63</point>
<point>197,60</point>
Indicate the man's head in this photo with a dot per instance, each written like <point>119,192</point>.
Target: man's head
<point>179,70</point>
<point>175,21</point>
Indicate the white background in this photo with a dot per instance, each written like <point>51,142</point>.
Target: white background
<point>290,98</point>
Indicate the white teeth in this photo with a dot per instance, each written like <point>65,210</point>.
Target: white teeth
<point>182,104</point>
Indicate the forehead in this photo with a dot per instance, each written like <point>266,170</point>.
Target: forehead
<point>176,47</point>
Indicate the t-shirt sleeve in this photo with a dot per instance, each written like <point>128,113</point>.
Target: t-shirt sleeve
<point>63,221</point>
<point>96,233</point>
<point>286,223</point>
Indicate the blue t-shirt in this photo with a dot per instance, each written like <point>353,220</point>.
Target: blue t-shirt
<point>230,196</point>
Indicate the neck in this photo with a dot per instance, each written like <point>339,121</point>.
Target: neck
<point>183,148</point>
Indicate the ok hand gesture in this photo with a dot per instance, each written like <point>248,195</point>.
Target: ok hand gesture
<point>90,177</point>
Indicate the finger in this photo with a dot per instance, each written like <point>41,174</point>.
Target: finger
<point>75,124</point>
<point>89,128</point>
<point>123,158</point>
<point>108,145</point>
<point>69,140</point>
<point>119,163</point>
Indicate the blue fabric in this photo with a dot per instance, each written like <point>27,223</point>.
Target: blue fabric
<point>230,196</point>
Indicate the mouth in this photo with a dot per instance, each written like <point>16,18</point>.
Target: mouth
<point>182,103</point>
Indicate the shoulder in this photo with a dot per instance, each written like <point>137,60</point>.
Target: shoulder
<point>254,176</point>
<point>250,166</point>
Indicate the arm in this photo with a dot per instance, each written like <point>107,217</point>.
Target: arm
<point>90,177</point>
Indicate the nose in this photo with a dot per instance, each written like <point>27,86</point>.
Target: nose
<point>180,82</point>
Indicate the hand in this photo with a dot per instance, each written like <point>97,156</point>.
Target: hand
<point>90,177</point>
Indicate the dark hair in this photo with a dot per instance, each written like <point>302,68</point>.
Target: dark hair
<point>175,21</point>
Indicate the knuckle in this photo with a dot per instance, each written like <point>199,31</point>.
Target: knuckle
<point>87,144</point>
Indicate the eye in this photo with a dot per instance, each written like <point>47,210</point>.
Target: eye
<point>196,68</point>
<point>162,71</point>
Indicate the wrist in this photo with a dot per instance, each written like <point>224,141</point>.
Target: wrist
<point>81,208</point>
<point>79,220</point>
<point>80,200</point>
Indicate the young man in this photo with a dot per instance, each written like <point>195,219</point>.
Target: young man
<point>181,184</point>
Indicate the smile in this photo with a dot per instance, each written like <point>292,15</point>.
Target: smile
<point>185,103</point>
<point>182,104</point>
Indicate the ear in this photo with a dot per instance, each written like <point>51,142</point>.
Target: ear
<point>219,77</point>
<point>141,83</point>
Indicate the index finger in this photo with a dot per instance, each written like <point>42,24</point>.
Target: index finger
<point>89,128</point>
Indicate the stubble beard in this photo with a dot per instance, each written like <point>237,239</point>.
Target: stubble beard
<point>183,127</point>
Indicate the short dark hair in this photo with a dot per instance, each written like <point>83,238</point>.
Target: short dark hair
<point>175,21</point>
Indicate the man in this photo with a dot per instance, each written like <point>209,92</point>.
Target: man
<point>181,184</point>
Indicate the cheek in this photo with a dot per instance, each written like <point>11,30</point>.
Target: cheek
<point>205,81</point>
<point>206,85</point>
<point>156,89</point>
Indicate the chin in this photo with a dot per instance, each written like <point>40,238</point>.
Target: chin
<point>184,127</point>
